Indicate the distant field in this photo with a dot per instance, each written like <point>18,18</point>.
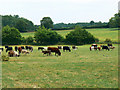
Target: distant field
<point>76,69</point>
<point>101,34</point>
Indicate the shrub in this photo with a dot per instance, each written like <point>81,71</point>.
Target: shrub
<point>107,40</point>
<point>80,36</point>
<point>5,58</point>
<point>47,36</point>
<point>29,40</point>
<point>11,36</point>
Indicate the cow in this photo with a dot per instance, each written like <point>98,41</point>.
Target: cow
<point>12,53</point>
<point>31,49</point>
<point>16,48</point>
<point>19,50</point>
<point>22,47</point>
<point>105,47</point>
<point>47,52</point>
<point>9,48</point>
<point>66,48</point>
<point>40,48</point>
<point>109,45</point>
<point>59,47</point>
<point>54,49</point>
<point>74,47</point>
<point>25,51</point>
<point>27,47</point>
<point>1,49</point>
<point>6,46</point>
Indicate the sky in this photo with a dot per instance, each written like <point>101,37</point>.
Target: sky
<point>66,11</point>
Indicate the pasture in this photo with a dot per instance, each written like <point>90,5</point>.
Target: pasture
<point>80,68</point>
<point>101,34</point>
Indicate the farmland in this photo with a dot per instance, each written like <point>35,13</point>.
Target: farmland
<point>101,34</point>
<point>79,68</point>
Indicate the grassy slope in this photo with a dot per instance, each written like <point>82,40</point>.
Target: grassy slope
<point>101,34</point>
<point>77,69</point>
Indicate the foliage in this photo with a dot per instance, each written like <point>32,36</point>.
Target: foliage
<point>79,37</point>
<point>20,23</point>
<point>114,22</point>
<point>108,40</point>
<point>47,36</point>
<point>29,40</point>
<point>11,36</point>
<point>5,58</point>
<point>47,22</point>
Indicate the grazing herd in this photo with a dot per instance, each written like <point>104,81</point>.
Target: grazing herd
<point>104,47</point>
<point>16,52</point>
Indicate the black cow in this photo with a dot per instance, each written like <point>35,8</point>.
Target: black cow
<point>16,48</point>
<point>1,49</point>
<point>105,47</point>
<point>9,48</point>
<point>22,47</point>
<point>27,47</point>
<point>31,49</point>
<point>66,48</point>
<point>6,46</point>
<point>109,45</point>
<point>40,48</point>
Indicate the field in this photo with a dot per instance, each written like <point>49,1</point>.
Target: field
<point>76,69</point>
<point>101,34</point>
<point>79,68</point>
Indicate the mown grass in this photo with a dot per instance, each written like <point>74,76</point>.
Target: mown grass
<point>76,69</point>
<point>101,34</point>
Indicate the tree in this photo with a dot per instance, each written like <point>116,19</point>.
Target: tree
<point>11,36</point>
<point>21,26</point>
<point>47,22</point>
<point>29,40</point>
<point>92,22</point>
<point>79,37</point>
<point>47,36</point>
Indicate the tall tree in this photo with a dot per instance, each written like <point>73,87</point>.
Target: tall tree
<point>47,22</point>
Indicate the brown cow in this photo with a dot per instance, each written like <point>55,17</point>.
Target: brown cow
<point>47,52</point>
<point>54,49</point>
<point>12,53</point>
<point>19,49</point>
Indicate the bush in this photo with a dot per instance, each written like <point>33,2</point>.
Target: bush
<point>108,40</point>
<point>5,58</point>
<point>45,36</point>
<point>11,36</point>
<point>80,36</point>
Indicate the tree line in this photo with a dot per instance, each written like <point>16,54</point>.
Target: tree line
<point>44,36</point>
<point>25,25</point>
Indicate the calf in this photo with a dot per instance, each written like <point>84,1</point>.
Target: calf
<point>9,48</point>
<point>66,48</point>
<point>74,47</point>
<point>25,51</point>
<point>47,52</point>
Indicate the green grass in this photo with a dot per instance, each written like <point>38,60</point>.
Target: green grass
<point>76,69</point>
<point>101,34</point>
